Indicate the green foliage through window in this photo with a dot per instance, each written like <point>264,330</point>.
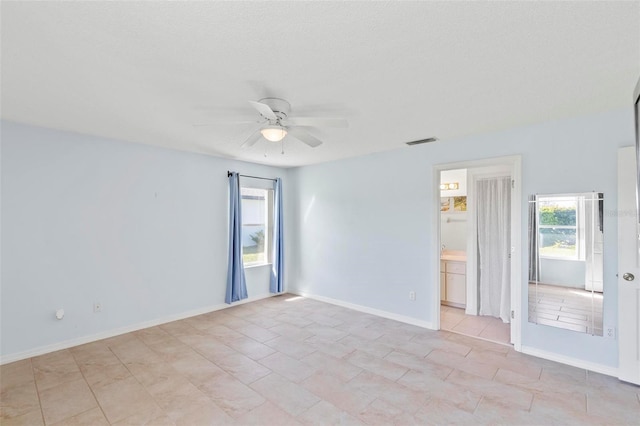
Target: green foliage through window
<point>557,227</point>
<point>555,215</point>
<point>258,238</point>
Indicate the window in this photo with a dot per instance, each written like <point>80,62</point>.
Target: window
<point>558,228</point>
<point>257,225</point>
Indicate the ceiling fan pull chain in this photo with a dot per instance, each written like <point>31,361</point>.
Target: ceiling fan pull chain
<point>282,147</point>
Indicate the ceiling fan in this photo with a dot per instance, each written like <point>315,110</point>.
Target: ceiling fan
<point>276,123</point>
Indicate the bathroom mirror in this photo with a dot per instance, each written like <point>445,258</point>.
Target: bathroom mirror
<point>565,261</point>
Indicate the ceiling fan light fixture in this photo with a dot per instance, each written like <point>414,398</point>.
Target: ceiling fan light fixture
<point>274,133</point>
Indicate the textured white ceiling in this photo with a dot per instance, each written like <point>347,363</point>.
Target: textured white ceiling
<point>399,71</point>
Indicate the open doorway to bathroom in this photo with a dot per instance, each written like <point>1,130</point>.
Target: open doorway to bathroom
<point>479,288</point>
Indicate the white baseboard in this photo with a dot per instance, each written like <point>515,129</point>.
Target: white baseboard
<point>41,350</point>
<point>574,362</point>
<point>598,368</point>
<point>368,310</point>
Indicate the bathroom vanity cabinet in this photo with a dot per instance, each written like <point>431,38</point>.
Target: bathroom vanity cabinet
<point>453,283</point>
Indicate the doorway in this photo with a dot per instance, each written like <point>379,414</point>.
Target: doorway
<point>479,273</point>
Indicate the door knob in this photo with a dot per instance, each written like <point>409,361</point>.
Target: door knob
<point>628,276</point>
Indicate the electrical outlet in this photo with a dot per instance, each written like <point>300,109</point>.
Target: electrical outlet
<point>609,332</point>
<point>412,295</point>
<point>97,307</point>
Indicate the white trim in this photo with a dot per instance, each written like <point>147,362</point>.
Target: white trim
<point>437,246</point>
<point>516,254</point>
<point>574,362</point>
<point>479,338</point>
<point>367,310</point>
<point>268,224</point>
<point>122,330</point>
<point>471,249</point>
<point>256,265</point>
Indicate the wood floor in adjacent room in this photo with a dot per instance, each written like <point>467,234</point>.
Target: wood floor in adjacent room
<point>564,307</point>
<point>289,360</point>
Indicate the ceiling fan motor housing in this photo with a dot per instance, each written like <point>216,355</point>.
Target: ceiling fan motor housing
<point>280,107</point>
<point>277,125</point>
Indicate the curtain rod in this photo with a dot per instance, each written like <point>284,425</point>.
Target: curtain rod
<point>252,177</point>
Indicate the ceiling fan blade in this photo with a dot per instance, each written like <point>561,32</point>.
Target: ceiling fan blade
<point>318,122</point>
<point>303,136</point>
<point>264,110</point>
<point>251,140</point>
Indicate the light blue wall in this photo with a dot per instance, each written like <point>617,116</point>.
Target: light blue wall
<point>567,273</point>
<point>365,225</point>
<point>143,230</point>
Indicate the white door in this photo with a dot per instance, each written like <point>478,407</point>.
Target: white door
<point>628,270</point>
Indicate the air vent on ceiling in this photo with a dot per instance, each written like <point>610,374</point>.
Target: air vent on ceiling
<point>421,141</point>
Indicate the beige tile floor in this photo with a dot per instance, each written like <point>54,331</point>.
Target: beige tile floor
<point>488,328</point>
<point>288,361</point>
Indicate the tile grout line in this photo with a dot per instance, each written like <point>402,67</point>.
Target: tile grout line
<point>531,401</point>
<point>195,350</point>
<point>35,383</point>
<point>478,405</point>
<point>89,386</point>
<point>586,403</point>
<point>190,381</point>
<point>535,395</point>
<point>471,356</point>
<point>135,378</point>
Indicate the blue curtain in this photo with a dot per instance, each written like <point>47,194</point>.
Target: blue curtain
<point>236,284</point>
<point>276,284</point>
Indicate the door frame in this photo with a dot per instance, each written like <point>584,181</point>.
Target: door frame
<point>628,261</point>
<point>515,165</point>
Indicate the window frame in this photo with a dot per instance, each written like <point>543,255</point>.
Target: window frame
<point>579,252</point>
<point>268,225</point>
